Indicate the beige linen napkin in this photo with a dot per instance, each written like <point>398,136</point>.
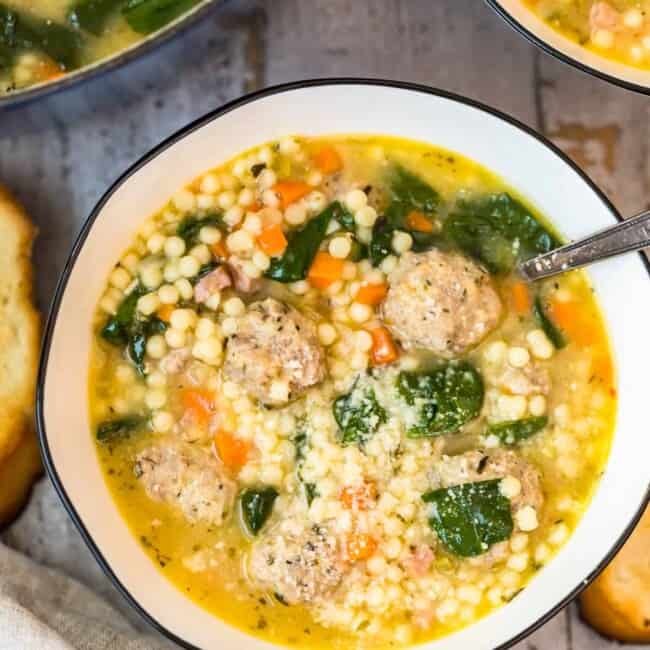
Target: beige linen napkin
<point>41,609</point>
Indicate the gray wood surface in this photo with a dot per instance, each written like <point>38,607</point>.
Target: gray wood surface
<point>60,154</point>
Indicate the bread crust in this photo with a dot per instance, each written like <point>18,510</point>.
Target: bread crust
<point>617,603</point>
<point>17,473</point>
<point>19,326</point>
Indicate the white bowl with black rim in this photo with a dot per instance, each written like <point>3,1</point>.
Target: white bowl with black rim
<point>523,20</point>
<point>527,162</point>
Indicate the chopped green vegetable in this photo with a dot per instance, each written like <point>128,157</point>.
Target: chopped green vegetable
<point>515,431</point>
<point>408,193</point>
<point>552,332</point>
<point>469,518</point>
<point>92,15</point>
<point>445,398</point>
<point>381,243</point>
<point>139,334</point>
<point>256,507</point>
<point>121,428</point>
<point>190,227</point>
<point>498,231</point>
<point>18,31</point>
<point>126,329</point>
<point>358,414</point>
<point>346,219</point>
<point>302,247</point>
<point>310,492</point>
<point>146,16</point>
<point>117,328</point>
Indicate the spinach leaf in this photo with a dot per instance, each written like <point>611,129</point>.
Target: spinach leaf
<point>126,329</point>
<point>190,227</point>
<point>118,327</point>
<point>381,243</point>
<point>146,16</point>
<point>302,247</point>
<point>470,517</point>
<point>408,193</point>
<point>446,398</point>
<point>310,492</point>
<point>256,507</point>
<point>515,431</point>
<point>138,336</point>
<point>92,15</point>
<point>552,332</point>
<point>497,230</point>
<point>358,414</point>
<point>19,31</point>
<point>110,430</point>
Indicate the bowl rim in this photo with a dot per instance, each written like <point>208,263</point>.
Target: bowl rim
<point>99,68</point>
<point>543,45</point>
<point>163,146</point>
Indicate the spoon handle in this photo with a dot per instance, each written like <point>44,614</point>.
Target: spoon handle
<point>630,235</point>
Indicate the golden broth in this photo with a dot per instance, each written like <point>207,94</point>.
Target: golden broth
<point>206,562</point>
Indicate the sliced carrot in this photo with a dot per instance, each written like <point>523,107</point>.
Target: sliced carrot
<point>272,240</point>
<point>325,269</point>
<point>372,294</point>
<point>200,403</point>
<point>291,191</point>
<point>219,249</point>
<point>359,497</point>
<point>520,297</point>
<point>359,546</point>
<point>254,207</point>
<point>418,222</point>
<point>164,312</point>
<point>570,316</point>
<point>383,349</point>
<point>328,160</point>
<point>233,451</point>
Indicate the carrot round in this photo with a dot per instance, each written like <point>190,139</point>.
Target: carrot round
<point>359,497</point>
<point>291,191</point>
<point>233,451</point>
<point>383,349</point>
<point>359,546</point>
<point>418,222</point>
<point>520,297</point>
<point>372,294</point>
<point>164,312</point>
<point>219,249</point>
<point>325,269</point>
<point>272,240</point>
<point>572,319</point>
<point>328,160</point>
<point>200,403</point>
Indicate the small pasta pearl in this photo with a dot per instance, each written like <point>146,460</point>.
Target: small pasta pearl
<point>148,304</point>
<point>209,235</point>
<point>340,247</point>
<point>182,319</point>
<point>156,346</point>
<point>168,294</point>
<point>210,184</point>
<point>355,200</point>
<point>402,242</point>
<point>188,266</point>
<point>184,200</point>
<point>155,398</point>
<point>174,247</point>
<point>365,216</point>
<point>163,421</point>
<point>156,242</point>
<point>226,199</point>
<point>175,338</point>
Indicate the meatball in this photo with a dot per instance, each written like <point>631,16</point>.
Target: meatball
<point>300,562</point>
<point>187,477</point>
<point>275,354</point>
<point>441,301</point>
<point>482,466</point>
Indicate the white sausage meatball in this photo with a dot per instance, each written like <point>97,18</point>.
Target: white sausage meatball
<point>275,354</point>
<point>440,301</point>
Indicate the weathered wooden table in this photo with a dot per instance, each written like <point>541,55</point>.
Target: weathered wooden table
<point>60,154</point>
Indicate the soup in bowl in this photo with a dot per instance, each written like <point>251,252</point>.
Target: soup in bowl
<point>316,404</point>
<point>607,38</point>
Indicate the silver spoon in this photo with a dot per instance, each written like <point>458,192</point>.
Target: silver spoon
<point>630,235</point>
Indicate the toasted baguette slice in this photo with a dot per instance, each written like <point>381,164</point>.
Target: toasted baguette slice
<point>17,473</point>
<point>19,325</point>
<point>617,604</point>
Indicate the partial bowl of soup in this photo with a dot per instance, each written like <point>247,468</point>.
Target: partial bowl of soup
<point>47,45</point>
<point>294,393</point>
<point>607,38</point>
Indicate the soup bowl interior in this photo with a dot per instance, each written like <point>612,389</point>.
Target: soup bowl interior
<point>526,22</point>
<point>522,159</point>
